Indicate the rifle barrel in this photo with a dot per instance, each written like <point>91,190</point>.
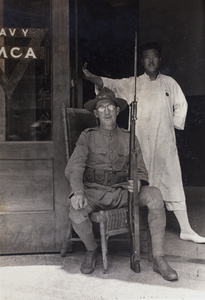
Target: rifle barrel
<point>135,65</point>
<point>133,175</point>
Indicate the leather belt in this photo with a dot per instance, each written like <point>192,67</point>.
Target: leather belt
<point>105,177</point>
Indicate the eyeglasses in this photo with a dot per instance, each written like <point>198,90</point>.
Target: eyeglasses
<point>111,107</point>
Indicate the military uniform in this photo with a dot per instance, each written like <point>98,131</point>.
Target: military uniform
<point>99,167</point>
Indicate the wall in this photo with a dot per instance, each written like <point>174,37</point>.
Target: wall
<point>179,26</point>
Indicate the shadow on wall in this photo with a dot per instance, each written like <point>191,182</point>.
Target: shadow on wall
<point>191,143</point>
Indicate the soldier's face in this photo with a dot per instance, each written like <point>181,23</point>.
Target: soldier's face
<point>107,111</point>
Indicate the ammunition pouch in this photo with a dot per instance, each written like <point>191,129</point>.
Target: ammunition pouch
<point>105,177</point>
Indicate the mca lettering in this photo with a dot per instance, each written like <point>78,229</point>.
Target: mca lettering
<point>22,54</point>
<point>17,52</point>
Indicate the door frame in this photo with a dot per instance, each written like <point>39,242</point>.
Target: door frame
<point>53,150</point>
<point>60,96</point>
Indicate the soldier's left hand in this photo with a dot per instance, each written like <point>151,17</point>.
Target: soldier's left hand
<point>130,185</point>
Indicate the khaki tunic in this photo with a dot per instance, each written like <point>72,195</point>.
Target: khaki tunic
<point>161,107</point>
<point>103,150</point>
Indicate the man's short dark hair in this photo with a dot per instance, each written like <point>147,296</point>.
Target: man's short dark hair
<point>149,46</point>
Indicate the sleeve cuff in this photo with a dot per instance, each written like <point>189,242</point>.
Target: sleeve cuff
<point>144,183</point>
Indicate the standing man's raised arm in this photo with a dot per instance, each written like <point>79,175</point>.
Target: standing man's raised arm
<point>97,80</point>
<point>123,88</point>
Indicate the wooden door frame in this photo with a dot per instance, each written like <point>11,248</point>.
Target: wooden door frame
<point>55,218</point>
<point>61,96</point>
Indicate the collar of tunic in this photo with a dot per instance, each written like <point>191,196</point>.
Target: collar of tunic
<point>108,132</point>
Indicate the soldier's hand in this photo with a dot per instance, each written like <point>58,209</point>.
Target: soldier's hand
<point>79,200</point>
<point>130,185</point>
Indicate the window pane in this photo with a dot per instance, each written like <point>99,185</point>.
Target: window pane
<point>25,69</point>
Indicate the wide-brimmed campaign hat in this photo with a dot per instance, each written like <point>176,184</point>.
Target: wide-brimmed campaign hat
<point>105,94</point>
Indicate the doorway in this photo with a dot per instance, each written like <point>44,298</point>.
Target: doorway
<point>32,158</point>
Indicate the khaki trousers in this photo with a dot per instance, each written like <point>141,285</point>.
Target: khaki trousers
<point>148,196</point>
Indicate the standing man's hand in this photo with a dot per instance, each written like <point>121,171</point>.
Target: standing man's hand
<point>97,80</point>
<point>87,74</point>
<point>79,200</point>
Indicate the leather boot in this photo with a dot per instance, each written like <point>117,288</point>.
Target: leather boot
<point>162,267</point>
<point>65,247</point>
<point>89,262</point>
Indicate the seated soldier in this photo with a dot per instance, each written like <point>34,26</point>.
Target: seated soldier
<point>98,171</point>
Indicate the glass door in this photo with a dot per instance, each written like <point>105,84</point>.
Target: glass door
<point>32,161</point>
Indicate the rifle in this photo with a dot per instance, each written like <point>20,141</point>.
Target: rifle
<point>133,207</point>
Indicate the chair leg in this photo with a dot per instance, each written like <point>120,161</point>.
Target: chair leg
<point>67,245</point>
<point>104,246</point>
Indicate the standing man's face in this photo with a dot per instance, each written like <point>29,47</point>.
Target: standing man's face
<point>151,61</point>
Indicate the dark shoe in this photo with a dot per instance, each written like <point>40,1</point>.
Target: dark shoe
<point>88,265</point>
<point>161,266</point>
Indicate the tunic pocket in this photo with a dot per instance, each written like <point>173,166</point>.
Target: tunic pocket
<point>98,149</point>
<point>123,150</point>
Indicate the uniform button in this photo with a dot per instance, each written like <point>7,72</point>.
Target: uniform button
<point>110,137</point>
<point>111,151</point>
<point>110,166</point>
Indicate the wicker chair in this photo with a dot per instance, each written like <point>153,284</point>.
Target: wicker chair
<point>112,222</point>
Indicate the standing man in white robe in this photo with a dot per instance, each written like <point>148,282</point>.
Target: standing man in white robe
<point>161,108</point>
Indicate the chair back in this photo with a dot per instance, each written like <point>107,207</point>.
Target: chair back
<point>75,120</point>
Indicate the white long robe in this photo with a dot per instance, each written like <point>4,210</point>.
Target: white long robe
<point>161,107</point>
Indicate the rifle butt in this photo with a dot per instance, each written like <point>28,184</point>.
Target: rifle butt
<point>135,264</point>
<point>135,235</point>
